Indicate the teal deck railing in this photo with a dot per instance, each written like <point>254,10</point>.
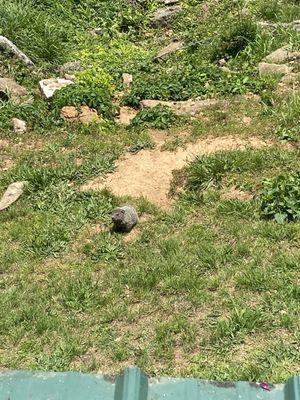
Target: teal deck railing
<point>133,384</point>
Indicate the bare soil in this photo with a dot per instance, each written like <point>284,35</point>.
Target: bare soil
<point>149,173</point>
<point>236,194</point>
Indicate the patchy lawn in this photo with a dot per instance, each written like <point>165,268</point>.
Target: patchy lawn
<point>205,286</point>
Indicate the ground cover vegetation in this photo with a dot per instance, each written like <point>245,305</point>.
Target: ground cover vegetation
<point>206,288</point>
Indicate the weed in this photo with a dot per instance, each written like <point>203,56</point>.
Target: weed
<point>209,170</point>
<point>104,247</point>
<point>140,145</point>
<point>240,321</point>
<point>48,240</point>
<point>280,198</point>
<point>91,96</point>
<point>238,36</point>
<point>80,293</point>
<point>205,286</point>
<point>158,117</point>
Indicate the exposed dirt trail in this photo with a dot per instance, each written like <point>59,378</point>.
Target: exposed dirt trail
<point>149,173</point>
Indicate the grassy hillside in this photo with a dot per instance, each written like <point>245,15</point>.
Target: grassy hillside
<point>208,287</point>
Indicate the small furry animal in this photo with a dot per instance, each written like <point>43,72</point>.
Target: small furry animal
<point>124,219</point>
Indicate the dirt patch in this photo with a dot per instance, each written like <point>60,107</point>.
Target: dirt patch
<point>247,120</point>
<point>31,144</point>
<point>126,115</point>
<point>148,173</point>
<point>158,137</point>
<point>137,330</point>
<point>181,360</point>
<point>257,342</point>
<point>84,114</point>
<point>99,362</point>
<point>86,234</point>
<point>132,235</point>
<point>236,194</point>
<point>3,143</point>
<point>6,164</point>
<point>187,107</point>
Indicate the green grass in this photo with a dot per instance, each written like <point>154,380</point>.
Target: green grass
<point>208,288</point>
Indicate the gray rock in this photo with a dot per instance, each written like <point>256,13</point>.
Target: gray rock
<point>282,55</point>
<point>127,80</point>
<point>71,66</point>
<point>171,48</point>
<point>124,218</point>
<point>50,86</point>
<point>222,62</point>
<point>278,56</point>
<point>6,44</point>
<point>227,70</point>
<point>266,24</point>
<point>168,2</point>
<point>12,193</point>
<point>190,107</point>
<point>96,31</point>
<point>19,126</point>
<point>294,56</point>
<point>163,16</point>
<point>69,77</point>
<point>270,25</point>
<point>292,78</point>
<point>273,69</point>
<point>296,25</point>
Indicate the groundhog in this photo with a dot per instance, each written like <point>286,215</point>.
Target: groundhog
<point>124,219</point>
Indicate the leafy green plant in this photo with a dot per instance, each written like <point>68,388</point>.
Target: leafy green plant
<point>80,293</point>
<point>280,198</point>
<point>41,177</point>
<point>96,77</point>
<point>192,77</point>
<point>159,117</point>
<point>289,134</point>
<point>279,10</point>
<point>104,247</point>
<point>49,241</point>
<point>140,145</point>
<point>91,96</point>
<point>107,15</point>
<point>37,115</point>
